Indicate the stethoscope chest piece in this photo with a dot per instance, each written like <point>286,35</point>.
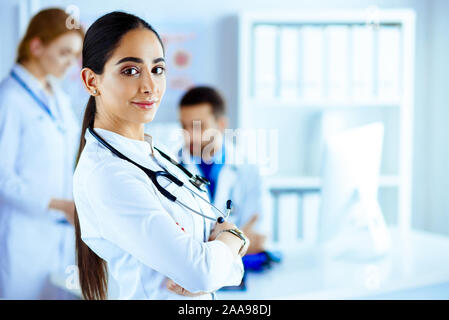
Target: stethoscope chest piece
<point>199,182</point>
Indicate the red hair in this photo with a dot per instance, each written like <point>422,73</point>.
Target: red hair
<point>47,25</point>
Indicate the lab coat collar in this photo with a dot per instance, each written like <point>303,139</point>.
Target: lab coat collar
<point>134,149</point>
<point>225,155</point>
<point>224,187</point>
<point>30,81</point>
<point>218,157</point>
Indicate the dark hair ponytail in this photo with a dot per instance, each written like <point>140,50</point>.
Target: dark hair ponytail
<point>101,39</point>
<point>93,271</point>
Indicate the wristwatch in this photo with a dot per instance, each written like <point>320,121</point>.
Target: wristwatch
<point>238,233</point>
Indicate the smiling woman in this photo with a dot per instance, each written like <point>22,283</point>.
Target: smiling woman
<point>112,69</point>
<point>134,80</point>
<point>153,247</point>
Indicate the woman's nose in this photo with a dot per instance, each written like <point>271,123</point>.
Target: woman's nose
<point>148,84</point>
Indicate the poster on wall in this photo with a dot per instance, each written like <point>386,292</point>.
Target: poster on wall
<point>184,45</point>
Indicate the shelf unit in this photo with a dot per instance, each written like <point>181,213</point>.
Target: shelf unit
<point>256,112</point>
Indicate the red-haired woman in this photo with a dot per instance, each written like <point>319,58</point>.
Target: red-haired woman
<point>38,134</point>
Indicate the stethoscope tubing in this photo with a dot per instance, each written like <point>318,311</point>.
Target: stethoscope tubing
<point>153,177</point>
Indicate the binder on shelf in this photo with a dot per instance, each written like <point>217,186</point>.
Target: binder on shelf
<point>289,60</point>
<point>389,62</point>
<point>362,62</point>
<point>312,62</point>
<point>310,209</point>
<point>338,62</point>
<point>289,215</point>
<point>264,65</point>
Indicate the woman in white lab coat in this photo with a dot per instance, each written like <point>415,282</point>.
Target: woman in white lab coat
<point>151,247</point>
<point>38,133</point>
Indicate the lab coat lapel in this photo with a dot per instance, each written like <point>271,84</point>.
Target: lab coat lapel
<point>138,151</point>
<point>227,179</point>
<point>187,162</point>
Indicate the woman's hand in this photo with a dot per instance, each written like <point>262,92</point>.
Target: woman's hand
<point>173,287</point>
<point>66,206</point>
<point>232,241</point>
<point>220,227</point>
<point>257,240</point>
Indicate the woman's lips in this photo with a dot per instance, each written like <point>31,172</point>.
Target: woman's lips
<point>144,104</point>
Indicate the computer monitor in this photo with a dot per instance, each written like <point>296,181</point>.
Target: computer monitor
<point>351,224</point>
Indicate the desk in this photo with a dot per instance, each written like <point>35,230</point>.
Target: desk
<point>417,260</point>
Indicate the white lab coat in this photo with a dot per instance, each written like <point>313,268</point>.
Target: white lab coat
<point>36,164</point>
<point>238,181</point>
<point>144,237</point>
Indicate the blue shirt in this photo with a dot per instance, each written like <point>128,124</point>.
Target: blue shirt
<point>211,170</point>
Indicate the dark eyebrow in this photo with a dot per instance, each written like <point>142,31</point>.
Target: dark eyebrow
<point>133,59</point>
<point>138,60</point>
<point>159,60</point>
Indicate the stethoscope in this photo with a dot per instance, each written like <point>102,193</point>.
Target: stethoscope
<point>231,166</point>
<point>196,180</point>
<point>37,100</point>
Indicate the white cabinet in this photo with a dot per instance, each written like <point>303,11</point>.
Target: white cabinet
<point>311,74</point>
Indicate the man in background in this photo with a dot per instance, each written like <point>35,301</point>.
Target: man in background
<point>206,152</point>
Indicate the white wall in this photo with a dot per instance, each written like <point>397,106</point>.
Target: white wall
<point>9,37</point>
<point>431,147</point>
<point>435,136</point>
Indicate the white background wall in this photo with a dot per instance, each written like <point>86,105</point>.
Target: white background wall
<point>431,133</point>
